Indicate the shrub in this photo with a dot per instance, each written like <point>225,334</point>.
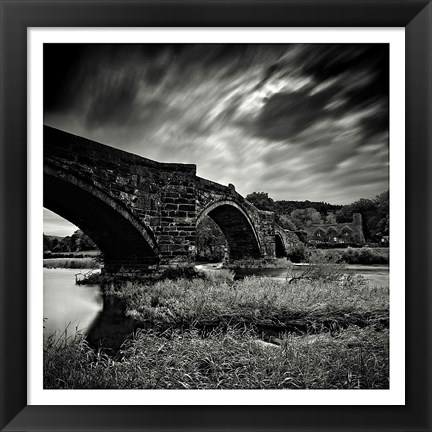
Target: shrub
<point>219,275</point>
<point>321,267</point>
<point>180,272</point>
<point>297,253</point>
<point>365,256</point>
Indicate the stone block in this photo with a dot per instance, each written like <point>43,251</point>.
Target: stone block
<point>167,207</point>
<point>187,207</point>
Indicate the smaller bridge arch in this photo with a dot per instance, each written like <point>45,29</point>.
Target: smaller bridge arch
<point>280,248</point>
<point>237,227</point>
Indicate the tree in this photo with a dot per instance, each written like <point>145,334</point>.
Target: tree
<point>375,215</point>
<point>47,243</point>
<point>383,211</point>
<point>305,218</point>
<point>286,222</point>
<point>211,243</point>
<point>81,242</point>
<point>261,200</point>
<point>330,218</point>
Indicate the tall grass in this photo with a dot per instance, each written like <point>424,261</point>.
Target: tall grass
<point>354,358</point>
<point>253,301</point>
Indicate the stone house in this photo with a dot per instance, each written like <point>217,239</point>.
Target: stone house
<point>350,232</point>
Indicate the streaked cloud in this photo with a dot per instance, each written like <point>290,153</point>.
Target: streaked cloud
<point>296,121</point>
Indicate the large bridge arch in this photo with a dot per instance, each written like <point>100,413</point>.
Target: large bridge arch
<point>124,240</point>
<point>237,227</point>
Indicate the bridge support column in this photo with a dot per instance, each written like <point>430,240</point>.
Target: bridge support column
<point>176,233</point>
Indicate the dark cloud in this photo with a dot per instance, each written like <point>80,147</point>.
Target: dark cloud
<point>285,115</point>
<point>345,79</point>
<point>297,115</point>
<point>324,61</point>
<point>377,122</point>
<point>60,64</point>
<point>115,102</point>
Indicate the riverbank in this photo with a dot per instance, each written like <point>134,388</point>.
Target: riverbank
<point>72,263</point>
<point>217,332</point>
<point>364,255</point>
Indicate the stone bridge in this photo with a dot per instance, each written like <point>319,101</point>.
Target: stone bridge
<point>143,214</point>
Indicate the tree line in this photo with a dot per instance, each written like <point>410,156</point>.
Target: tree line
<point>297,215</point>
<point>77,242</point>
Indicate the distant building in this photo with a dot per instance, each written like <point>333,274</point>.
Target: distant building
<point>350,232</point>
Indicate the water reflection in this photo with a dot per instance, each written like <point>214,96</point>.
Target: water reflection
<point>103,319</point>
<point>66,305</point>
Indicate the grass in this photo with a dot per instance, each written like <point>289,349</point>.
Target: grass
<point>233,359</point>
<point>213,332</point>
<point>72,263</point>
<point>254,302</point>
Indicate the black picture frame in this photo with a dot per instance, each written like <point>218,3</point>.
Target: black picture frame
<point>17,16</point>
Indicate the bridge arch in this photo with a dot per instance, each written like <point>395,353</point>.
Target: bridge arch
<point>124,240</point>
<point>280,248</point>
<point>237,227</point>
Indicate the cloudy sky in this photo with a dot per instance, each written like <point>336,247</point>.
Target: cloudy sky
<point>299,121</point>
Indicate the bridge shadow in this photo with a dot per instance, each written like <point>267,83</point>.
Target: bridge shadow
<point>111,327</point>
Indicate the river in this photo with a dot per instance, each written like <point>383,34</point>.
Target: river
<point>377,275</point>
<point>70,306</point>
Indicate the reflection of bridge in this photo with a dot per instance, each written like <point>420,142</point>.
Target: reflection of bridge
<point>143,213</point>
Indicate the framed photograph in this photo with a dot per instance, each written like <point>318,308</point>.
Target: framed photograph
<point>220,188</point>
